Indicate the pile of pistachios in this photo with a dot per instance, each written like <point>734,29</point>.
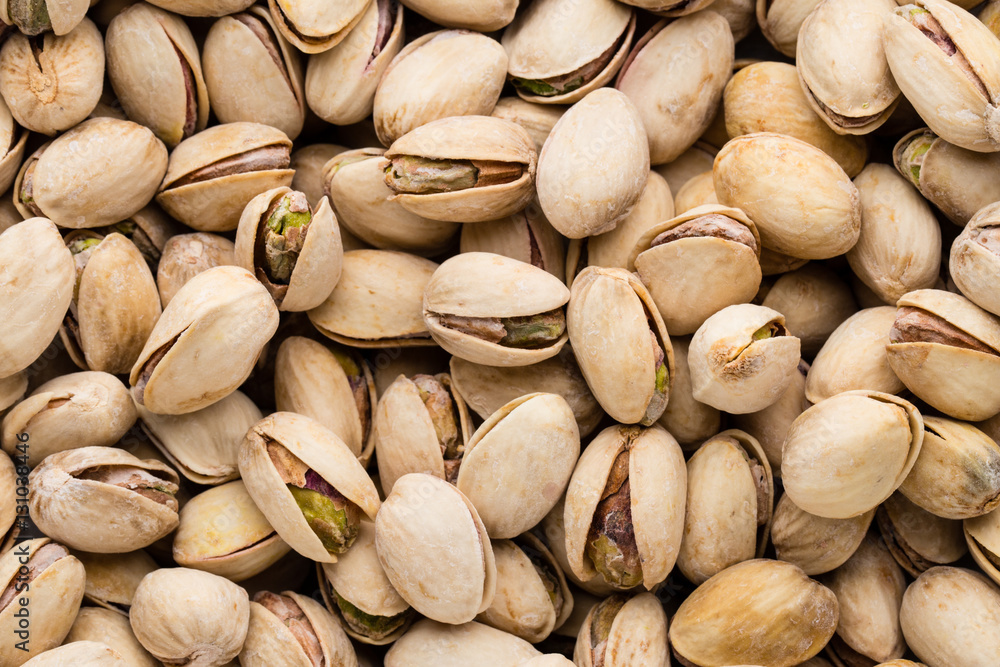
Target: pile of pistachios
<point>500,333</point>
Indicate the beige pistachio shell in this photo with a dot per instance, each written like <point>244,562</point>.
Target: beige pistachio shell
<point>377,301</point>
<point>12,390</point>
<point>767,97</point>
<point>869,443</point>
<point>775,263</point>
<point>445,645</point>
<point>918,539</point>
<point>770,425</point>
<point>690,279</point>
<point>356,186</point>
<point>308,162</point>
<point>421,85</point>
<point>10,164</point>
<point>175,615</point>
<point>761,610</point>
<point>854,357</point>
<point>780,21</point>
<point>982,534</point>
<point>203,8</point>
<point>698,191</point>
<point>605,131</point>
<point>928,369</point>
<point>113,578</point>
<point>314,27</point>
<point>658,483</point>
<point>270,640</point>
<point>948,617</point>
<point>814,543</point>
<point>74,410</point>
<point>553,529</point>
<point>537,119</point>
<point>8,505</point>
<point>685,418</point>
<point>83,653</point>
<point>740,14</point>
<point>637,636</point>
<point>481,15</point>
<point>435,550</point>
<point>223,314</point>
<point>735,372</point>
<point>55,84</point>
<point>64,15</point>
<point>108,627</point>
<point>96,516</point>
<point>690,163</point>
<point>518,463</point>
<point>320,449</point>
<point>525,236</point>
<point>675,76</point>
<point>549,660</point>
<point>814,300</point>
<point>611,318</point>
<point>972,263</point>
<point>152,50</point>
<point>800,199</point>
<point>340,83</point>
<point>254,78</point>
<point>185,256</point>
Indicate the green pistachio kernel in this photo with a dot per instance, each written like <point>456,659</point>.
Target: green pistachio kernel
<point>329,519</point>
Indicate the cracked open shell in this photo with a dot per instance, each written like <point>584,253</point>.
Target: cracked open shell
<point>113,578</point>
<point>223,314</point>
<point>445,645</point>
<point>435,549</point>
<point>493,310</point>
<point>917,539</point>
<point>74,410</point>
<point>697,263</point>
<point>947,63</point>
<point>814,543</point>
<point>936,332</point>
<point>308,484</point>
<point>561,50</point>
<point>314,26</point>
<point>34,18</point>
<point>113,629</point>
<point>103,499</point>
<point>982,534</point>
<point>974,262</point>
<point>462,169</point>
<point>621,344</point>
<point>626,469</point>
<point>846,455</point>
<point>623,631</point>
<point>294,630</point>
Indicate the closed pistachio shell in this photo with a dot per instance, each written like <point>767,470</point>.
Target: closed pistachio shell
<point>185,256</point>
<point>537,119</point>
<point>444,645</point>
<point>624,631</point>
<point>202,8</point>
<point>814,300</point>
<point>308,162</point>
<point>550,660</point>
<point>113,578</point>
<point>973,263</point>
<point>695,160</point>
<point>481,15</point>
<point>780,21</point>
<point>295,630</point>
<point>740,14</point>
<point>314,27</point>
<point>698,191</point>
<point>83,653</point>
<point>770,425</point>
<point>917,539</point>
<point>685,418</point>
<point>113,629</point>
<point>814,543</point>
<point>982,534</point>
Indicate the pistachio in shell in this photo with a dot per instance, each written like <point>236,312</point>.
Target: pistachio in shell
<point>975,259</point>
<point>688,420</point>
<point>770,425</point>
<point>90,653</point>
<point>537,119</point>
<point>111,628</point>
<point>185,256</point>
<point>815,544</point>
<point>293,629</point>
<point>314,27</point>
<point>34,17</point>
<point>622,630</point>
<point>780,21</point>
<point>917,539</point>
<point>448,645</point>
<point>113,578</point>
<point>982,534</point>
<point>525,236</point>
<point>481,15</point>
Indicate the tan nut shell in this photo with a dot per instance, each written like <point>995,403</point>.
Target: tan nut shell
<point>537,119</point>
<point>314,26</point>
<point>973,267</point>
<point>698,191</point>
<point>320,449</point>
<point>82,654</point>
<point>203,8</point>
<point>94,516</point>
<point>815,544</point>
<point>780,21</point>
<point>481,15</point>
<point>685,418</point>
<point>695,160</point>
<point>917,539</point>
<point>185,256</point>
<point>761,610</point>
<point>658,482</point>
<point>814,300</point>
<point>435,549</point>
<point>111,628</point>
<point>770,425</point>
<point>64,14</point>
<point>8,504</point>
<point>605,132</point>
<point>271,642</point>
<point>869,443</point>
<point>113,578</point>
<point>637,637</point>
<point>982,534</point>
<point>223,314</point>
<point>928,369</point>
<point>444,645</point>
<point>525,236</point>
<point>518,463</point>
<point>10,163</point>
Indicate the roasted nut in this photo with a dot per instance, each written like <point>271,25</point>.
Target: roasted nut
<point>112,629</point>
<point>481,15</point>
<point>689,421</point>
<point>113,578</point>
<point>814,301</point>
<point>36,16</point>
<point>537,119</point>
<point>446,645</point>
<point>314,27</point>
<point>975,259</point>
<point>917,539</point>
<point>780,21</point>
<point>622,631</point>
<point>525,236</point>
<point>815,544</point>
<point>185,256</point>
<point>91,654</point>
<point>770,425</point>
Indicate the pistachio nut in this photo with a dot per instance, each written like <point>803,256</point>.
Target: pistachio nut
<point>420,425</point>
<point>730,501</point>
<point>982,534</point>
<point>767,97</point>
<point>957,474</point>
<point>518,463</point>
<point>103,499</point>
<point>481,15</point>
<point>84,653</point>
<point>764,611</point>
<point>869,443</point>
<point>675,76</point>
<point>314,27</point>
<point>624,513</point>
<point>698,191</point>
<point>149,229</point>
<point>689,421</point>
<point>775,263</point>
<point>386,368</point>
<point>213,174</point>
<point>203,8</point>
<point>377,301</point>
<point>562,50</point>
<point>814,543</point>
<point>901,663</point>
<point>741,16</point>
<point>552,531</point>
<point>765,175</point>
<point>780,21</point>
<point>936,332</point>
<point>525,236</point>
<point>185,256</point>
<point>292,629</point>
<point>36,16</point>
<point>307,483</point>
<point>697,264</point>
<point>605,131</point>
<point>223,314</point>
<point>917,539</point>
<point>152,50</point>
<point>99,172</point>
<point>671,7</point>
<point>74,410</point>
<point>12,142</point>
<point>175,617</point>
<point>532,596</point>
<point>421,85</point>
<point>111,628</point>
<point>854,357</point>
<point>537,119</point>
<point>53,82</point>
<point>462,169</point>
<point>493,310</point>
<point>622,630</point>
<point>695,160</point>
<point>949,616</point>
<point>253,74</point>
<point>445,645</point>
<point>814,300</point>
<point>438,560</point>
<point>621,344</point>
<point>357,591</point>
<point>113,578</point>
<point>308,162</point>
<point>355,183</point>
<point>975,258</point>
<point>770,425</point>
<point>742,359</point>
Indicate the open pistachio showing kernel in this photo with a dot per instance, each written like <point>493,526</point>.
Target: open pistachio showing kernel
<point>307,482</point>
<point>623,631</point>
<point>294,630</point>
<point>490,309</point>
<point>185,256</point>
<point>621,344</point>
<point>624,513</point>
<point>982,534</point>
<point>33,17</point>
<point>314,27</point>
<point>935,333</point>
<point>103,499</point>
<point>975,259</point>
<point>814,543</point>
<point>445,645</point>
<point>917,539</point>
